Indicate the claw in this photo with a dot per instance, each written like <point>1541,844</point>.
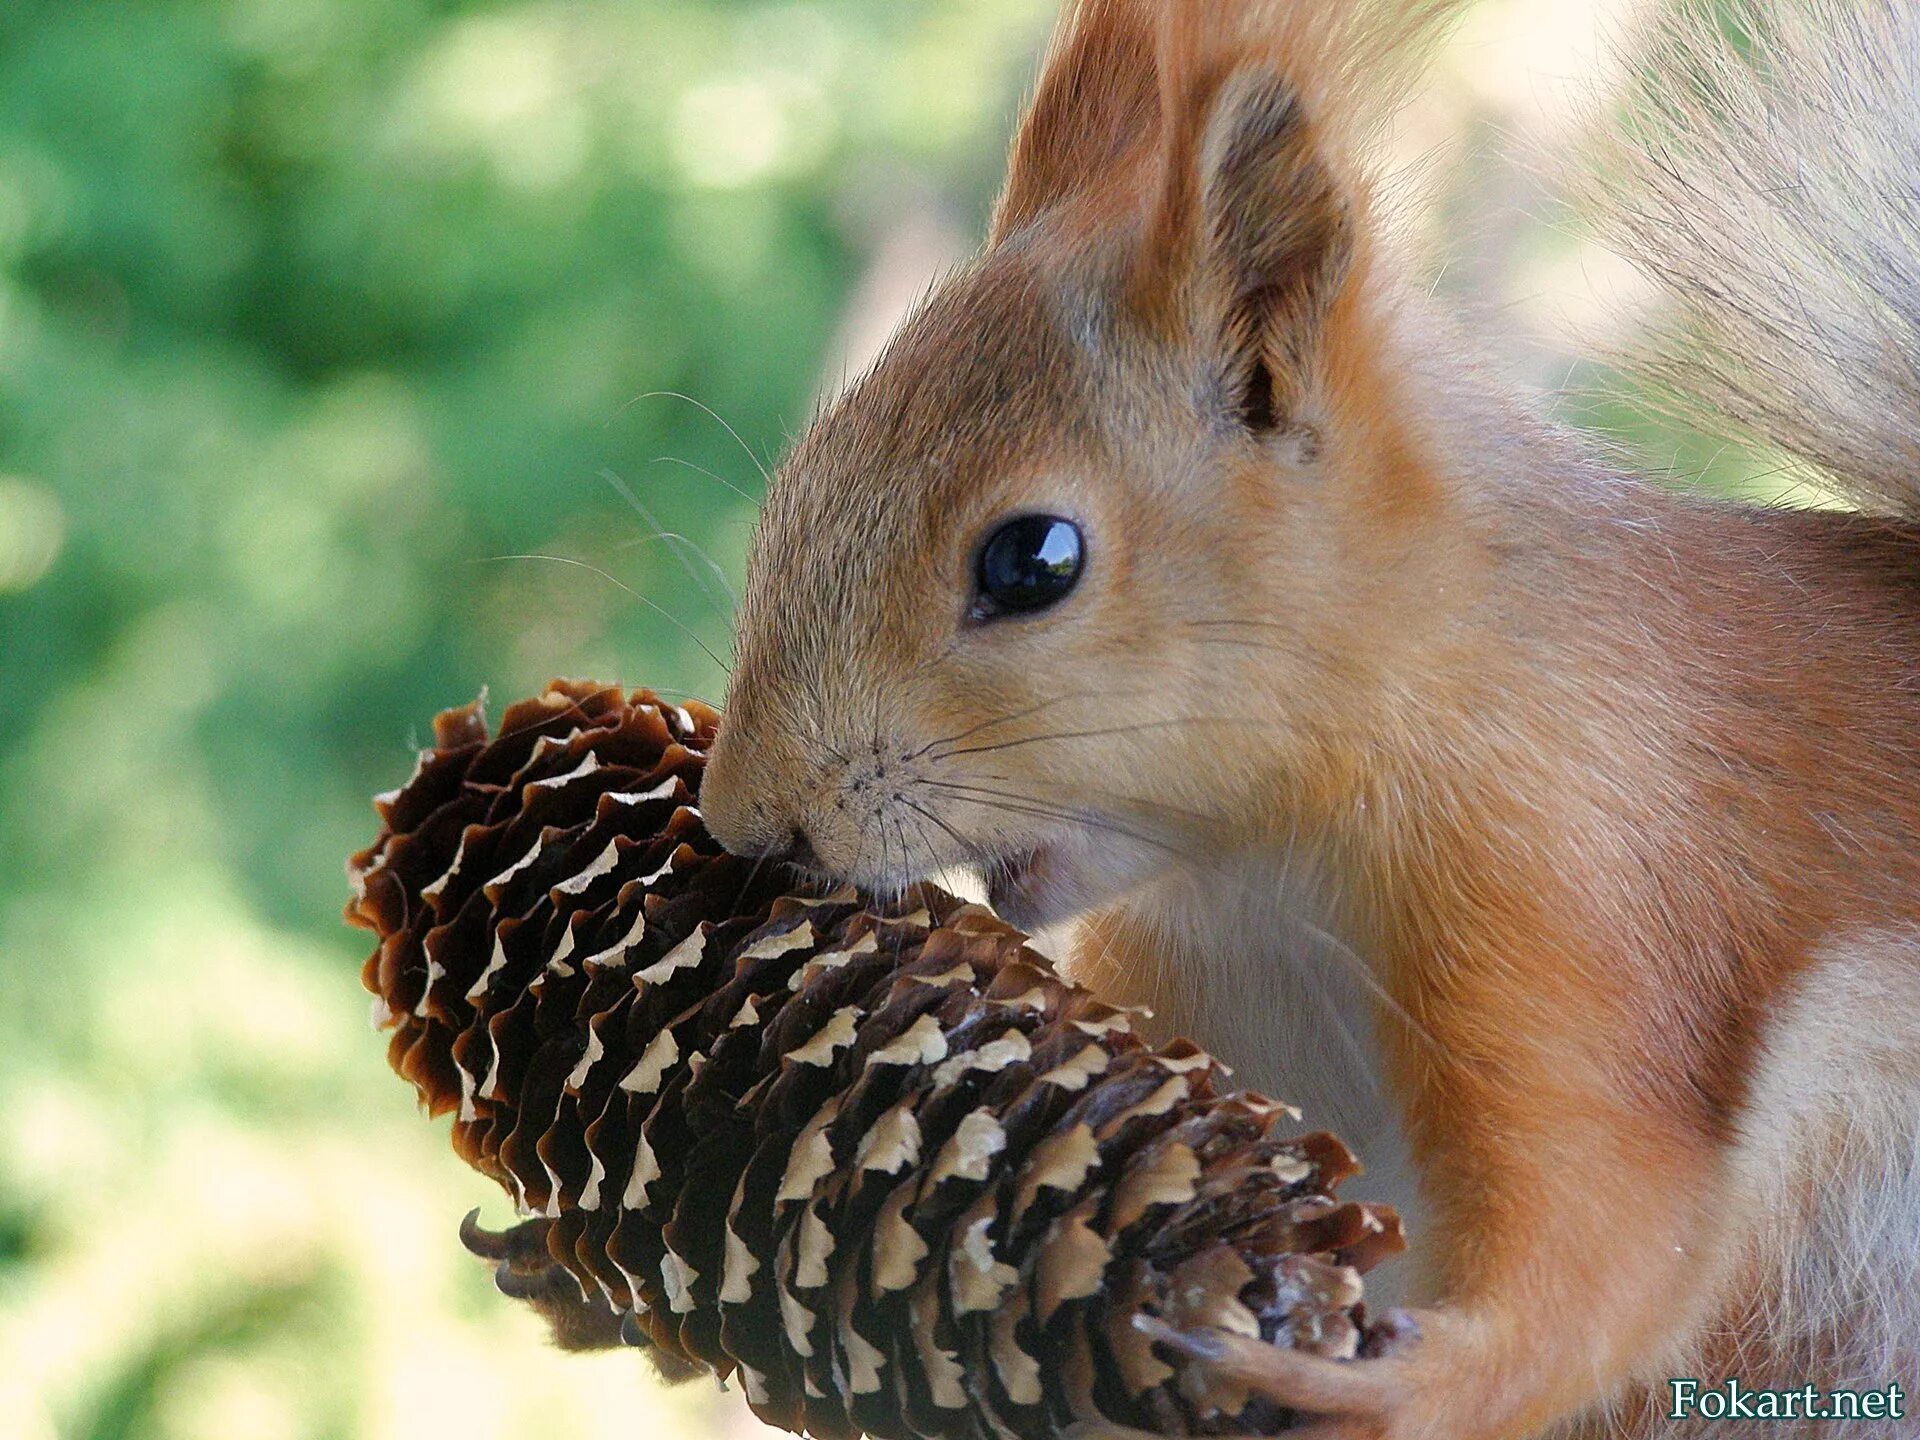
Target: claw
<point>1200,1345</point>
<point>1292,1378</point>
<point>484,1243</point>
<point>524,1246</point>
<point>524,1270</point>
<point>550,1283</point>
<point>1393,1331</point>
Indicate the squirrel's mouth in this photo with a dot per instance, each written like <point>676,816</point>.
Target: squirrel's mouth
<point>1026,887</point>
<point>1058,877</point>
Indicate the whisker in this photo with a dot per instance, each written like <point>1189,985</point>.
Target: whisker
<point>1018,805</point>
<point>675,541</point>
<point>926,843</point>
<point>698,405</point>
<point>819,736</point>
<point>1136,802</point>
<point>884,886</point>
<point>1364,973</point>
<point>886,870</point>
<point>972,730</point>
<point>653,605</point>
<point>1355,963</point>
<point>682,546</point>
<point>969,851</point>
<point>753,874</point>
<point>717,478</point>
<point>1243,643</point>
<point>906,853</point>
<point>1119,797</point>
<point>1174,723</point>
<point>860,852</point>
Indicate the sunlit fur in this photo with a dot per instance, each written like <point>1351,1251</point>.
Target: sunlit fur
<point>1596,805</point>
<point>1764,172</point>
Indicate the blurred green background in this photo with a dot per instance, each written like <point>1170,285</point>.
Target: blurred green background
<point>311,312</point>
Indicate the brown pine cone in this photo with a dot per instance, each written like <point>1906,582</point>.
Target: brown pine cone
<point>885,1164</point>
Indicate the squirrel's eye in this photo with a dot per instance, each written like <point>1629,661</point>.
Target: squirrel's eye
<point>1025,565</point>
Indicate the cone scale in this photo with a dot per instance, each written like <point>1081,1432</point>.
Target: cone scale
<point>884,1166</point>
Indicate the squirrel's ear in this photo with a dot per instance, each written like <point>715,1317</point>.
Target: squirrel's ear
<point>1222,133</point>
<point>1095,111</point>
<point>1255,236</point>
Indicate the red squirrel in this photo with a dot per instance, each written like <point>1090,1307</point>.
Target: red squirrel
<point>1550,833</point>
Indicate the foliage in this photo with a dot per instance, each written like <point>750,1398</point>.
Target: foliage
<point>307,309</point>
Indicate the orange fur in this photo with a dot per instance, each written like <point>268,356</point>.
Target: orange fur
<point>1588,784</point>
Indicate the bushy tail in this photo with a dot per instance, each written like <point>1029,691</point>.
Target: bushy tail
<point>1766,172</point>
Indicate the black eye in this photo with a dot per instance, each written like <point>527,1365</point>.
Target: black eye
<point>1027,564</point>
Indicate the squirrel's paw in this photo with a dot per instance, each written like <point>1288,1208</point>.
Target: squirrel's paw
<point>524,1270</point>
<point>1391,1395</point>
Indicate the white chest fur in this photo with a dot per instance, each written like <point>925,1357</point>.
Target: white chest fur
<point>1823,1286</point>
<point>1830,1165</point>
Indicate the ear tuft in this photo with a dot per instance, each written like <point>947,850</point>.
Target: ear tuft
<point>1224,134</point>
<point>1273,243</point>
<point>1097,102</point>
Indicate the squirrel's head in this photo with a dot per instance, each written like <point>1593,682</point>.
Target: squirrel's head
<point>1087,563</point>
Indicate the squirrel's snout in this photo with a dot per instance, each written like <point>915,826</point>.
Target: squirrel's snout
<point>735,817</point>
<point>743,812</point>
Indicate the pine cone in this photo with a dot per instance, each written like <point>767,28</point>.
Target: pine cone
<point>883,1163</point>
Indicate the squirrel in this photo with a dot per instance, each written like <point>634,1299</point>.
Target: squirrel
<point>1553,833</point>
